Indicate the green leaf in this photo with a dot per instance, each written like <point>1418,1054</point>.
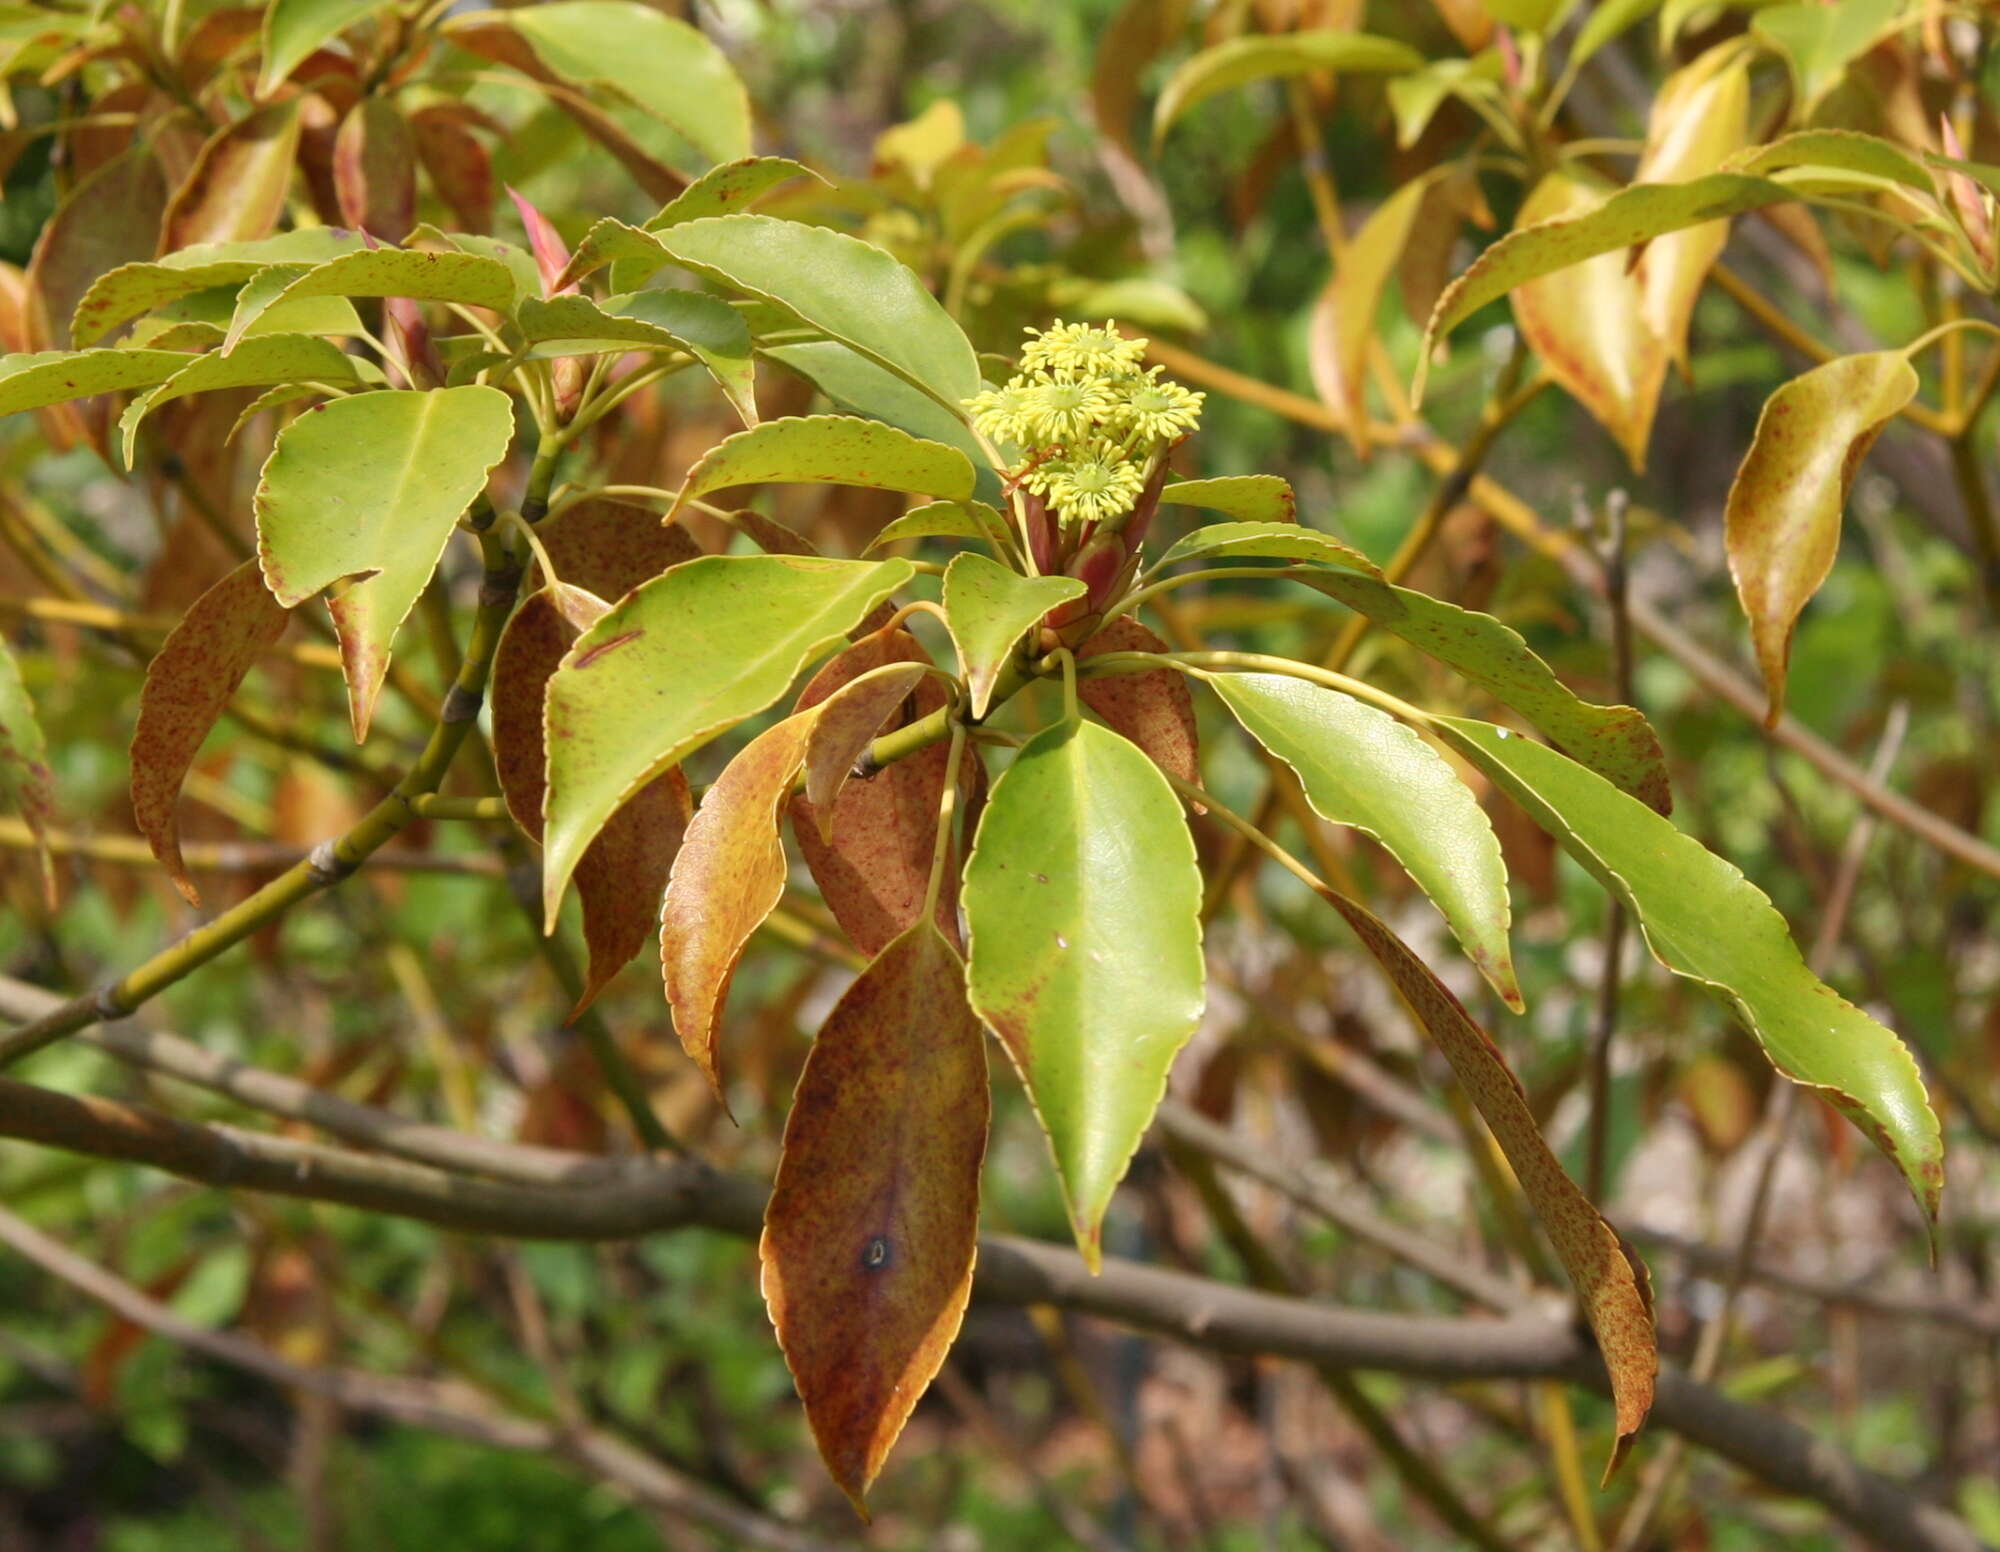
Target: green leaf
<point>469,278</point>
<point>1415,98</point>
<point>28,382</point>
<point>1633,215</point>
<point>370,487</point>
<point>1818,42</point>
<point>1617,742</point>
<point>873,1223</point>
<point>847,289</point>
<point>1537,16</point>
<point>25,780</point>
<point>1243,60</point>
<point>1253,498</point>
<point>1266,541</point>
<point>857,385</point>
<point>1846,149</point>
<point>1604,23</point>
<point>677,661</point>
<point>1361,767</point>
<point>705,327</point>
<point>1084,901</point>
<point>659,64</point>
<point>1782,524</point>
<point>949,520</point>
<point>131,289</point>
<point>988,609</point>
<point>830,450</point>
<point>721,191</point>
<point>262,359</point>
<point>294,28</point>
<point>1703,920</point>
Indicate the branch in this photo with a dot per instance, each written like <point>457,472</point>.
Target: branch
<point>653,1197</point>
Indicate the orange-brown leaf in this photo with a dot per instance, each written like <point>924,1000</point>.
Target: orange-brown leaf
<point>1782,524</point>
<point>610,549</point>
<point>236,189</point>
<point>109,219</point>
<point>729,876</point>
<point>375,170</point>
<point>1609,1278</point>
<point>847,724</point>
<point>872,1227</point>
<point>873,871</point>
<point>1154,709</point>
<point>1588,324</point>
<point>622,876</point>
<point>189,682</point>
<point>459,168</point>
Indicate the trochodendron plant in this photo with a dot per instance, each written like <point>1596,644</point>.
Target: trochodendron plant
<point>1003,628</point>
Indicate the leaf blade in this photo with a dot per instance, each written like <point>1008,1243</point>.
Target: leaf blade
<point>988,609</point>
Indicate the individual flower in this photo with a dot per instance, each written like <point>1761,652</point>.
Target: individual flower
<point>1093,485</point>
<point>1156,410</point>
<point>1063,412</point>
<point>1002,413</point>
<point>1081,350</point>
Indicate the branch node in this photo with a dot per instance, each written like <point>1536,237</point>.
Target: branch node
<point>327,866</point>
<point>461,705</point>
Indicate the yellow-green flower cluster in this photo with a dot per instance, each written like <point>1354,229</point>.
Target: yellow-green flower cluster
<point>1087,416</point>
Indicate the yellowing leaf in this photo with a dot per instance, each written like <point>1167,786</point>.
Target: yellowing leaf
<point>729,876</point>
<point>829,449</point>
<point>1344,320</point>
<point>1084,900</point>
<point>1588,325</point>
<point>25,780</point>
<point>188,683</point>
<point>237,187</point>
<point>872,1226</point>
<point>1782,524</point>
<point>1255,498</point>
<point>1241,61</point>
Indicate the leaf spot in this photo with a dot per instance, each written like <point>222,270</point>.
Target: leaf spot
<point>875,1254</point>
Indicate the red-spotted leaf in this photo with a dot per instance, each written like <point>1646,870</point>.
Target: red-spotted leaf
<point>829,449</point>
<point>1705,921</point>
<point>109,220</point>
<point>25,780</point>
<point>1254,498</point>
<point>1266,541</point>
<point>869,841</point>
<point>1615,741</point>
<point>872,1226</point>
<point>678,661</point>
<point>1783,519</point>
<point>375,170</point>
<point>1153,708</point>
<point>1084,901</point>
<point>370,487</point>
<point>988,609</point>
<point>237,187</point>
<point>729,876</point>
<point>188,683</point>
<point>1609,1278</point>
<point>459,168</point>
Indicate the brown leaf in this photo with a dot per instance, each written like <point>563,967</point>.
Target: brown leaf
<point>848,721</point>
<point>1782,525</point>
<point>1140,32</point>
<point>872,1227</point>
<point>236,190</point>
<point>622,876</point>
<point>1343,321</point>
<point>188,684</point>
<point>375,170</point>
<point>610,549</point>
<point>1609,1277</point>
<point>1154,709</point>
<point>1588,325</point>
<point>108,220</point>
<point>459,168</point>
<point>873,872</point>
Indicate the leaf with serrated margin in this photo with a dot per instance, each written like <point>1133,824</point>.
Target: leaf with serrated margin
<point>188,683</point>
<point>678,661</point>
<point>848,721</point>
<point>948,520</point>
<point>1705,921</point>
<point>1615,741</point>
<point>1633,215</point>
<point>1782,523</point>
<point>370,487</point>
<point>472,279</point>
<point>131,289</point>
<point>726,190</point>
<point>1152,708</point>
<point>1254,498</point>
<point>261,360</point>
<point>869,842</point>
<point>1084,900</point>
<point>1845,149</point>
<point>873,1223</point>
<point>1609,1277</point>
<point>25,779</point>
<point>828,449</point>
<point>988,609</point>
<point>1241,61</point>
<point>31,381</point>
<point>729,876</point>
<point>1361,767</point>
<point>849,290</point>
<point>703,326</point>
<point>1267,541</point>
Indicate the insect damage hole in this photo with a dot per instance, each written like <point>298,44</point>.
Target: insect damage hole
<point>875,1254</point>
